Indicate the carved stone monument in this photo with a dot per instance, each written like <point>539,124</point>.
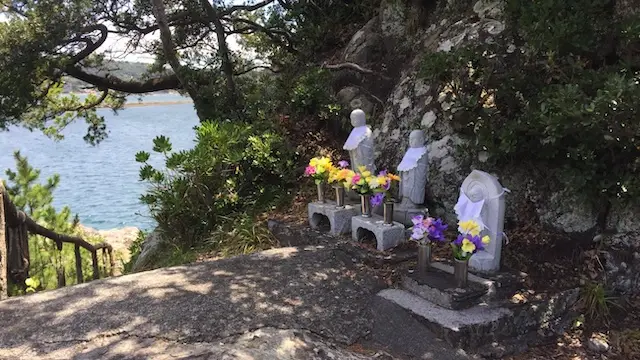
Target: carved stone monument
<point>414,173</point>
<point>360,142</point>
<point>482,199</point>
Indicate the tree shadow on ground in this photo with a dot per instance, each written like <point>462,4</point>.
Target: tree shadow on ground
<point>316,289</point>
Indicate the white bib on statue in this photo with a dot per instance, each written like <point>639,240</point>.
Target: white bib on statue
<point>469,210</point>
<point>411,158</point>
<point>355,138</point>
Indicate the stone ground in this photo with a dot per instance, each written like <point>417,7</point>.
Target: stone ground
<point>312,302</point>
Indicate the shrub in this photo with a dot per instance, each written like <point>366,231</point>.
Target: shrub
<point>552,91</point>
<point>234,168</point>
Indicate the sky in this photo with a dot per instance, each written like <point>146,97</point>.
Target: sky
<point>116,45</point>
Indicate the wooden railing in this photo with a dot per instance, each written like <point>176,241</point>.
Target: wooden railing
<point>15,226</point>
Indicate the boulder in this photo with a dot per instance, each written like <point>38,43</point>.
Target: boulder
<point>150,247</point>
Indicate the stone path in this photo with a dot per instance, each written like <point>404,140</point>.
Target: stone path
<point>288,303</point>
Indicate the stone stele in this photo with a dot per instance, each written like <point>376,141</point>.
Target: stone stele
<point>482,199</point>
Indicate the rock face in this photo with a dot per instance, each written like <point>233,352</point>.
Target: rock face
<point>391,46</point>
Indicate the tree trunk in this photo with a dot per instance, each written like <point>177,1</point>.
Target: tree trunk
<point>171,55</point>
<point>223,49</point>
<point>3,249</point>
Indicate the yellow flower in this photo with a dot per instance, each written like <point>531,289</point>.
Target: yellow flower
<point>382,180</point>
<point>468,246</point>
<point>362,169</point>
<point>320,169</point>
<point>366,174</point>
<point>486,239</point>
<point>325,162</point>
<point>373,182</point>
<point>393,177</point>
<point>469,227</point>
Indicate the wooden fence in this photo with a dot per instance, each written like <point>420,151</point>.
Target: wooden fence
<point>15,227</point>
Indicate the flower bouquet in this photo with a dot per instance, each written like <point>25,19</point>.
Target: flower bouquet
<point>465,245</point>
<point>372,189</point>
<point>426,230</point>
<point>337,177</point>
<point>319,169</point>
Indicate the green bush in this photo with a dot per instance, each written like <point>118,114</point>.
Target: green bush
<point>233,169</point>
<point>35,200</point>
<point>557,89</point>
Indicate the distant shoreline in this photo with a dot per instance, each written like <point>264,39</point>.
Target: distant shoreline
<point>152,103</point>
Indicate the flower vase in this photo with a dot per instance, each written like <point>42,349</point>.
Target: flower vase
<point>320,192</point>
<point>388,213</point>
<point>365,202</point>
<point>424,257</point>
<point>461,272</point>
<point>339,196</point>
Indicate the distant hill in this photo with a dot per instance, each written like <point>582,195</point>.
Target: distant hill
<point>123,69</point>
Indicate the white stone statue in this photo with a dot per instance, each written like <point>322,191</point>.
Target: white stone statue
<point>360,142</point>
<point>414,172</point>
<point>482,199</point>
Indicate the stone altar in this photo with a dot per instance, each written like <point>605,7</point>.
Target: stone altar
<point>339,218</point>
<point>482,199</point>
<point>387,236</point>
<point>414,173</point>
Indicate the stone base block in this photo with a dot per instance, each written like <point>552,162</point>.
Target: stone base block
<point>484,325</point>
<point>339,218</point>
<point>437,285</point>
<point>403,215</point>
<point>387,236</point>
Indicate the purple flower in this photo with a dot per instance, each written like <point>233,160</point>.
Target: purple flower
<point>458,240</point>
<point>417,220</point>
<point>343,163</point>
<point>383,173</point>
<point>436,230</point>
<point>418,233</point>
<point>477,241</point>
<point>377,199</point>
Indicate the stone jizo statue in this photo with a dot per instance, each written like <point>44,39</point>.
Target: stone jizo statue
<point>360,142</point>
<point>414,170</point>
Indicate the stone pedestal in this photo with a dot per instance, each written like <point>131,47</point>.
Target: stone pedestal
<point>340,219</point>
<point>404,215</point>
<point>437,285</point>
<point>387,236</point>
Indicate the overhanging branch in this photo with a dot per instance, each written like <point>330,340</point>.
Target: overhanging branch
<point>167,82</point>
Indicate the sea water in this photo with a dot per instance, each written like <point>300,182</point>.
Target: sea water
<point>101,183</point>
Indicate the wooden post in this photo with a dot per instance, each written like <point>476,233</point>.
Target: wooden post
<point>96,270</point>
<point>79,275</point>
<point>3,248</point>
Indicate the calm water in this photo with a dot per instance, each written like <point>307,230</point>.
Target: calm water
<point>101,183</point>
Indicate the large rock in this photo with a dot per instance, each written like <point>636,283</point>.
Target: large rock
<point>151,247</point>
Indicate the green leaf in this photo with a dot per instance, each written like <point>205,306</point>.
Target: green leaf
<point>142,156</point>
<point>161,144</point>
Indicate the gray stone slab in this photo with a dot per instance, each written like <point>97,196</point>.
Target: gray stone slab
<point>440,288</point>
<point>339,218</point>
<point>454,320</point>
<point>387,236</point>
<point>396,331</point>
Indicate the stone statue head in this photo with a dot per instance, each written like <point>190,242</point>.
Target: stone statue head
<point>416,139</point>
<point>358,118</point>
